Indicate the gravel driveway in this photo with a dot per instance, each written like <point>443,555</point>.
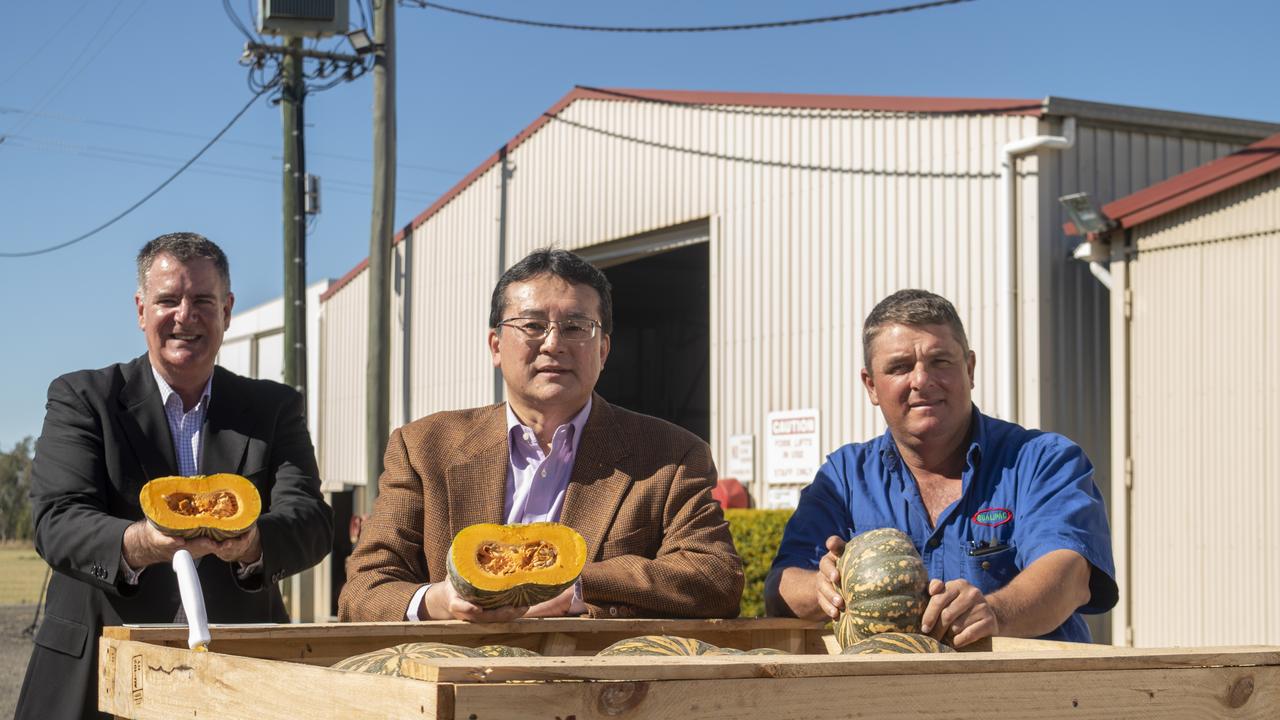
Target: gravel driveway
<point>15,650</point>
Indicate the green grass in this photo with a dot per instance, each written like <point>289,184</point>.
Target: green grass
<point>22,572</point>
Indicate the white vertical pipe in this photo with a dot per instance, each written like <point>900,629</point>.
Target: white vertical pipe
<point>1006,274</point>
<point>192,600</point>
<point>1121,472</point>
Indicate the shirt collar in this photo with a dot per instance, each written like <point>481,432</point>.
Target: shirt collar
<point>167,392</point>
<point>516,429</point>
<point>977,437</point>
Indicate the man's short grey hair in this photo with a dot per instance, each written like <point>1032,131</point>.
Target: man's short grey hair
<point>915,308</point>
<point>183,247</point>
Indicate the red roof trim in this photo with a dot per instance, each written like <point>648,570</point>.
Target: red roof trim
<point>975,106</point>
<point>351,275</point>
<point>884,103</point>
<point>1179,191</point>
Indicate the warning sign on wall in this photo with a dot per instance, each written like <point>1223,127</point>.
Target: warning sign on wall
<point>742,459</point>
<point>791,455</point>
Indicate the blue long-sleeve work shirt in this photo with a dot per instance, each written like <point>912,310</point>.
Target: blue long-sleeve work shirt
<point>1025,493</point>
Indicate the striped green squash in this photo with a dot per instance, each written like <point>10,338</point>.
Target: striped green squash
<point>387,661</point>
<point>757,651</point>
<point>495,566</point>
<point>845,633</point>
<point>668,645</point>
<point>896,642</point>
<point>505,651</point>
<point>884,586</point>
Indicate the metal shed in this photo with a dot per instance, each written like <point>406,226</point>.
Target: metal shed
<point>748,235</point>
<point>1195,373</point>
<point>254,347</point>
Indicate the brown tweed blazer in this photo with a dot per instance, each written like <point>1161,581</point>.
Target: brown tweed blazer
<point>640,494</point>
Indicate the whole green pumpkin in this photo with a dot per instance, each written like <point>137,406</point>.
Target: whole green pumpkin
<point>884,586</point>
<point>895,642</point>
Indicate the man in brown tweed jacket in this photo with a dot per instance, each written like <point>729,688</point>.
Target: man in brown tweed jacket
<point>637,488</point>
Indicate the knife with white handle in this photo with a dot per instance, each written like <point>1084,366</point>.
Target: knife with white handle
<point>192,601</point>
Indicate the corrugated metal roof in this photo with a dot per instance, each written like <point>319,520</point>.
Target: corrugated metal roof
<point>1192,186</point>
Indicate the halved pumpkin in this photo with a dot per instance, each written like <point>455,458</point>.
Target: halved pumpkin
<point>494,565</point>
<point>216,506</point>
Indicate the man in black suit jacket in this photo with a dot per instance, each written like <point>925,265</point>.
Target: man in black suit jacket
<point>169,412</point>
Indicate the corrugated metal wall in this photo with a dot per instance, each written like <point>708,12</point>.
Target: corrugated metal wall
<point>819,214</point>
<point>344,334</point>
<point>454,265</point>
<point>1072,311</point>
<point>816,215</point>
<point>1205,398</point>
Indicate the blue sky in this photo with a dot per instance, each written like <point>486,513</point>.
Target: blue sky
<point>101,100</point>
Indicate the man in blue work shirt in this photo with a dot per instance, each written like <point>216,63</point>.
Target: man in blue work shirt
<point>1011,527</point>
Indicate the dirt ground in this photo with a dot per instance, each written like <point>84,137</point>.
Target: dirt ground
<point>15,650</point>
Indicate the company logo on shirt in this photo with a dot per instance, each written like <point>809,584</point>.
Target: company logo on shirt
<point>991,517</point>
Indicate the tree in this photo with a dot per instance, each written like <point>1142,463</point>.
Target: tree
<point>15,489</point>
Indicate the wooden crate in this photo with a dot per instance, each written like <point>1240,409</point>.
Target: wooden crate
<point>281,671</point>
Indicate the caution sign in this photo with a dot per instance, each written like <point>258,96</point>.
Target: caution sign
<point>791,455</point>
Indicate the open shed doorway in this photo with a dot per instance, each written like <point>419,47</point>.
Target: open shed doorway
<point>659,363</point>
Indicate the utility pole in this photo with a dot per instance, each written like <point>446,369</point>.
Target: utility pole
<point>283,19</point>
<point>292,93</point>
<point>378,368</point>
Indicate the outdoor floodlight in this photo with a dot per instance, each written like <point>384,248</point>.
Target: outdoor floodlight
<point>360,41</point>
<point>1086,216</point>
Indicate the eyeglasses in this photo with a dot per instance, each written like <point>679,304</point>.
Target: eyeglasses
<point>575,330</point>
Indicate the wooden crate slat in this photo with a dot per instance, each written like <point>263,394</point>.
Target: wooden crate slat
<point>272,672</point>
<point>1191,693</point>
<point>499,670</point>
<point>328,643</point>
<point>145,681</point>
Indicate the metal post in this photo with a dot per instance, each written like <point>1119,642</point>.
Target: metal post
<point>295,224</point>
<point>499,384</point>
<point>378,370</point>
<point>293,92</point>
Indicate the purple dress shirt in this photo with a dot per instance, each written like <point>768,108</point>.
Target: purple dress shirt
<point>536,483</point>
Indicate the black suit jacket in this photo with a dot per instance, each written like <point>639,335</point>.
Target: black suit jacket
<point>105,435</point>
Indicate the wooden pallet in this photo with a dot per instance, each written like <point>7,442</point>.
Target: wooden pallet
<point>281,671</point>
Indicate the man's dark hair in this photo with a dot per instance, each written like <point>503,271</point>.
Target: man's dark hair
<point>559,263</point>
<point>183,247</point>
<point>915,308</point>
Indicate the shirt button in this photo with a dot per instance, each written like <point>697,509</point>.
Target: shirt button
<point>613,611</point>
<point>544,473</point>
<point>986,564</point>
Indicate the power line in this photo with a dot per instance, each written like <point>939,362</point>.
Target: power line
<point>237,22</point>
<point>68,75</point>
<point>178,133</point>
<point>144,159</point>
<point>35,53</point>
<point>779,164</point>
<point>693,29</point>
<point>146,197</point>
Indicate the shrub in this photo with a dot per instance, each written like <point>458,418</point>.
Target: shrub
<point>757,535</point>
